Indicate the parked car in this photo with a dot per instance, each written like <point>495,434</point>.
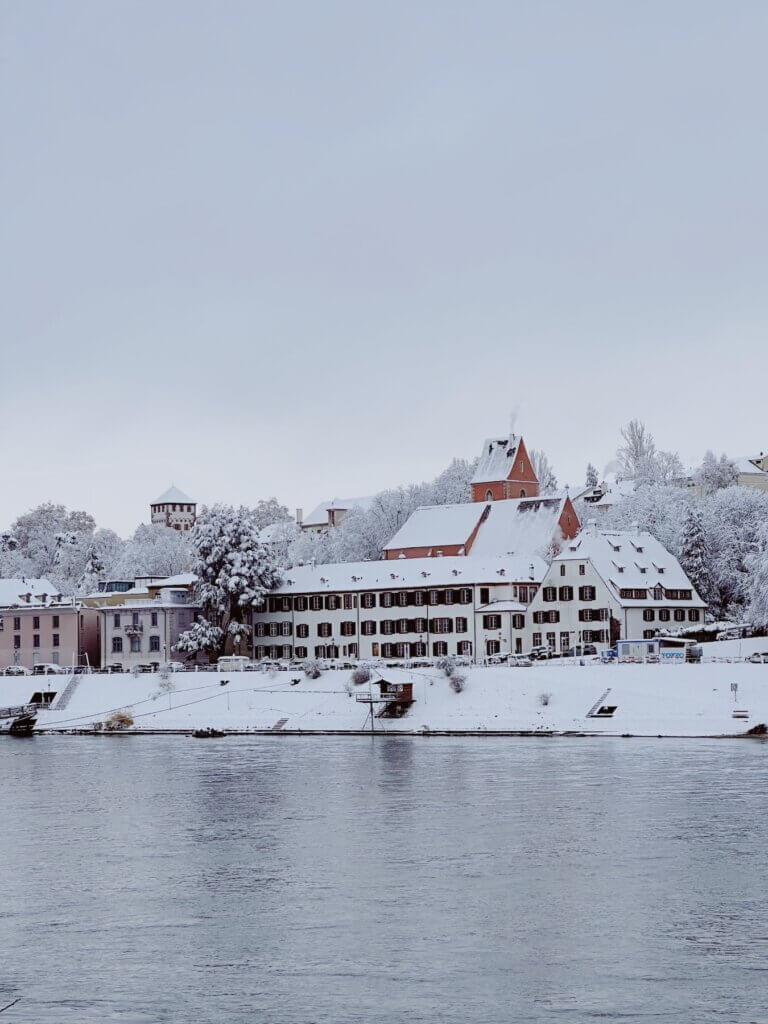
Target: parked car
<point>734,632</point>
<point>17,670</point>
<point>580,651</point>
<point>540,652</point>
<point>175,666</point>
<point>759,658</point>
<point>519,661</point>
<point>46,670</point>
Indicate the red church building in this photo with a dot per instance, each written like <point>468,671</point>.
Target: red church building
<point>504,471</point>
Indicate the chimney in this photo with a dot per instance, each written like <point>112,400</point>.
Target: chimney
<point>299,516</point>
<point>531,571</point>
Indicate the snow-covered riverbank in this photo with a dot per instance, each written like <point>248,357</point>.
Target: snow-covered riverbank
<point>650,700</point>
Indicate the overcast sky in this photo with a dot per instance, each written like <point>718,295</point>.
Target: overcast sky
<point>318,249</point>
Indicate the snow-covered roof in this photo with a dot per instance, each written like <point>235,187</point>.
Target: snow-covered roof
<point>630,560</point>
<point>319,515</point>
<point>517,526</point>
<point>183,579</point>
<point>408,573</point>
<point>173,494</point>
<point>744,464</point>
<point>14,591</point>
<point>496,459</point>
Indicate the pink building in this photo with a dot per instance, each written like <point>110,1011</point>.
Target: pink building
<point>39,626</point>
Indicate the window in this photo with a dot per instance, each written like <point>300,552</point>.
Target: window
<point>658,594</point>
<point>56,640</point>
<point>465,596</point>
<point>135,618</point>
<point>418,597</point>
<point>525,592</point>
<point>135,644</point>
<point>117,645</point>
<point>402,598</point>
<point>387,627</point>
<point>518,621</point>
<point>633,594</point>
<point>116,620</point>
<point>582,570</point>
<point>664,615</point>
<point>448,597</point>
<point>286,628</point>
<point>679,595</point>
<point>285,604</point>
<point>679,614</point>
<point>439,649</point>
<point>374,650</point>
<point>539,617</point>
<point>565,641</point>
<point>491,622</point>
<point>442,626</point>
<point>287,651</point>
<point>648,634</point>
<point>419,650</point>
<point>154,620</point>
<point>17,643</point>
<point>36,640</point>
<point>302,630</point>
<point>403,626</point>
<point>461,625</point>
<point>350,601</point>
<point>301,652</point>
<point>562,569</point>
<point>300,604</point>
<point>694,615</point>
<point>368,601</point>
<point>492,646</point>
<point>566,593</point>
<point>320,651</point>
<point>587,593</point>
<point>17,622</point>
<point>348,628</point>
<point>551,641</point>
<point>464,647</point>
<point>419,625</point>
<point>648,615</point>
<point>274,629</point>
<point>316,603</point>
<point>35,622</point>
<point>259,629</point>
<point>537,639</point>
<point>324,629</point>
<point>385,600</point>
<point>331,602</point>
<point>485,595</point>
<point>434,597</point>
<point>549,593</point>
<point>154,643</point>
<point>368,627</point>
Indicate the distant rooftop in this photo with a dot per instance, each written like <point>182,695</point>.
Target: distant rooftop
<point>173,494</point>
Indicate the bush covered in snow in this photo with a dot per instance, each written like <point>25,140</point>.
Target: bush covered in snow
<point>544,699</point>
<point>447,664</point>
<point>361,674</point>
<point>457,681</point>
<point>313,668</point>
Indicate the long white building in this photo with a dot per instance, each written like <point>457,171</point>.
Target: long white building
<point>599,588</point>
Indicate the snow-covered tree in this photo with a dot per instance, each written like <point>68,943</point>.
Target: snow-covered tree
<point>637,449</point>
<point>543,470</point>
<point>234,573</point>
<point>694,554</point>
<point>268,511</point>
<point>591,477</point>
<point>757,604</point>
<point>154,550</point>
<point>716,474</point>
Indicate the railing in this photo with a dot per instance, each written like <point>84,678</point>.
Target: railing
<point>133,627</point>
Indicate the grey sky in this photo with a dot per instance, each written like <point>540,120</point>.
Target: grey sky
<point>310,249</point>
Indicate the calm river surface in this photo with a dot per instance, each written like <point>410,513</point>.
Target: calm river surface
<point>341,880</point>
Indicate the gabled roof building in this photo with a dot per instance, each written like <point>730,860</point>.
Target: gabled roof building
<point>175,509</point>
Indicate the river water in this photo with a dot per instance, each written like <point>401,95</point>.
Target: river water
<point>153,879</point>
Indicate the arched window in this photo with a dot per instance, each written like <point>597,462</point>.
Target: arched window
<point>489,495</point>
<point>522,492</point>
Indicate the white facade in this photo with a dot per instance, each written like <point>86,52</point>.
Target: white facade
<point>419,607</point>
<point>143,631</point>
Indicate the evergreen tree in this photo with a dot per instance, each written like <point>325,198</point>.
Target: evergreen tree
<point>591,480</point>
<point>694,554</point>
<point>234,573</point>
